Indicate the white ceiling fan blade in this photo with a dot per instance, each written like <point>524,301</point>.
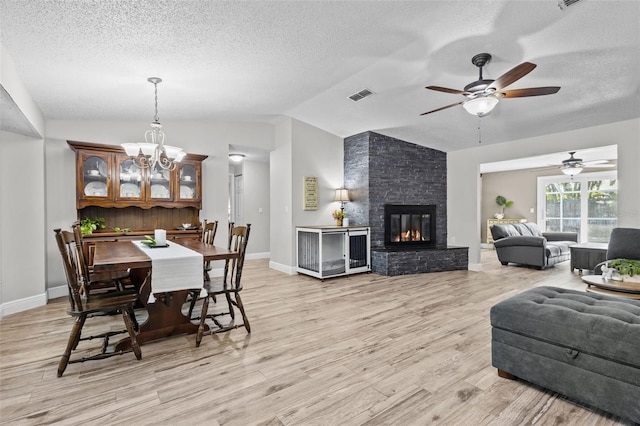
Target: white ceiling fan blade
<point>598,166</point>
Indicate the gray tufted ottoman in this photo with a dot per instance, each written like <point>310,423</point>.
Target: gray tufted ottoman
<point>582,345</point>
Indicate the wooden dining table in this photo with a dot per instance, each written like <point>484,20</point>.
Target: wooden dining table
<point>165,317</point>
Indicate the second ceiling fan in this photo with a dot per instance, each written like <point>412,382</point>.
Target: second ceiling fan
<point>483,95</point>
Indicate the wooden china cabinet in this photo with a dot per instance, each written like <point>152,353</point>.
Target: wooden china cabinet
<point>110,185</point>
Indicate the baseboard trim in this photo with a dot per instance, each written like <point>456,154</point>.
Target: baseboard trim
<point>289,270</point>
<point>25,304</point>
<point>475,267</point>
<point>265,255</point>
<point>59,291</point>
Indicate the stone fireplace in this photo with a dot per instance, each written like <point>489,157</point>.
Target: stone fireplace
<point>383,173</point>
<point>409,225</point>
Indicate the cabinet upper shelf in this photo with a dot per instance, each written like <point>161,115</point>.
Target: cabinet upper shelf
<point>107,177</point>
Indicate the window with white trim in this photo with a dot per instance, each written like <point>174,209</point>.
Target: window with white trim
<point>586,204</point>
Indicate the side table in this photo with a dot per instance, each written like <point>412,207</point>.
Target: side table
<point>587,255</point>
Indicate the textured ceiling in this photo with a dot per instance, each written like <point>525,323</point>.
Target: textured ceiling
<point>89,60</point>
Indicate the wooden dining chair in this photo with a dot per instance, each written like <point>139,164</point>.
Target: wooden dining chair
<point>230,286</point>
<point>97,283</point>
<point>207,239</point>
<point>81,308</point>
<point>208,236</point>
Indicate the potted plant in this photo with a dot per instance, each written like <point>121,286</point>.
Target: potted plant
<point>627,269</point>
<point>503,203</point>
<point>338,215</point>
<point>88,225</point>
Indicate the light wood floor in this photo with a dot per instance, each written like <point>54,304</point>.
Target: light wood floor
<point>411,350</point>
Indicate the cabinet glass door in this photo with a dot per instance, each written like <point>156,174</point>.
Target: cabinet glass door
<point>188,182</point>
<point>130,183</point>
<point>160,180</point>
<point>95,176</point>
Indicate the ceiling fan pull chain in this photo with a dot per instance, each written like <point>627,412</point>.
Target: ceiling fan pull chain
<point>479,131</point>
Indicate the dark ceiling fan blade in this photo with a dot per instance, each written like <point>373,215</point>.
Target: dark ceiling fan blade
<point>444,107</point>
<point>447,90</point>
<point>514,74</point>
<point>533,91</point>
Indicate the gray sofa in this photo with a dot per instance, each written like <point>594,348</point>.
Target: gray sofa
<point>582,345</point>
<point>526,244</point>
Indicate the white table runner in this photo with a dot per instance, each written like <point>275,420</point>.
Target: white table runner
<point>173,268</point>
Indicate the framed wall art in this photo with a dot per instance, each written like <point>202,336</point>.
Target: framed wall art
<point>310,196</point>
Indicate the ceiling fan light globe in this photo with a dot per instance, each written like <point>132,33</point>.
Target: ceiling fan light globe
<point>480,106</point>
<point>571,170</point>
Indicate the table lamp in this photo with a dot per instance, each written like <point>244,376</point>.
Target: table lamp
<point>342,195</point>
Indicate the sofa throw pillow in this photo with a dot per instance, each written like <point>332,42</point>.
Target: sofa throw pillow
<point>534,229</point>
<point>523,229</point>
<point>502,231</point>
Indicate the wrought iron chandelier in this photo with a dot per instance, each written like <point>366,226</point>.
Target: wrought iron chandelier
<point>153,151</point>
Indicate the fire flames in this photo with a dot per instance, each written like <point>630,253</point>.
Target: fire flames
<point>408,235</point>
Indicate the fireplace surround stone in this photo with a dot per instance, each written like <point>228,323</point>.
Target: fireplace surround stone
<point>381,170</point>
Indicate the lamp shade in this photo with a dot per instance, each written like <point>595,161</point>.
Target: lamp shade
<point>480,106</point>
<point>342,194</point>
<point>132,149</point>
<point>173,153</point>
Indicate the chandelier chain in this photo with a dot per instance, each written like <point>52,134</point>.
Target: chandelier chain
<point>156,118</point>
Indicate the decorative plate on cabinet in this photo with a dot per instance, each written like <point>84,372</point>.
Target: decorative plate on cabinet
<point>96,189</point>
<point>159,191</point>
<point>129,190</point>
<point>186,192</point>
<point>102,168</point>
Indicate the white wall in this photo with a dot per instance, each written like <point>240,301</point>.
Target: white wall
<point>463,175</point>
<point>256,204</point>
<point>22,202</point>
<point>280,197</point>
<point>22,222</point>
<point>301,150</point>
<point>318,154</point>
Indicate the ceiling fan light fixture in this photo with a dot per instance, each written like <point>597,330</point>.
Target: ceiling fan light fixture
<point>480,106</point>
<point>571,169</point>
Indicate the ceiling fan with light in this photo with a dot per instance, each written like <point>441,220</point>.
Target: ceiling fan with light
<point>483,95</point>
<point>572,166</point>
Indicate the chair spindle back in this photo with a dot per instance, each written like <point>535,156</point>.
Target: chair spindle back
<point>209,230</point>
<point>71,262</point>
<point>238,239</point>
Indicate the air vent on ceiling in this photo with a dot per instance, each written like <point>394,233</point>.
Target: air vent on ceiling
<point>360,95</point>
<point>563,4</point>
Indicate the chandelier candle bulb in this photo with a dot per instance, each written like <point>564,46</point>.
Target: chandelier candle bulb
<point>160,236</point>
